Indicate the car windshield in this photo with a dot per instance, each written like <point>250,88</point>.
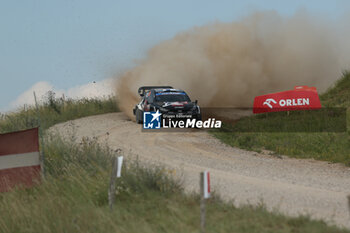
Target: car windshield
<point>172,97</point>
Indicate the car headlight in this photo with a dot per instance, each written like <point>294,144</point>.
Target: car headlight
<point>163,109</point>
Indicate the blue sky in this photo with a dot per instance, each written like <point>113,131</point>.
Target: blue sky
<point>69,43</point>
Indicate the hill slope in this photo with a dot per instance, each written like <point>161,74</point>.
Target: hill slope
<point>339,94</point>
<point>327,145</point>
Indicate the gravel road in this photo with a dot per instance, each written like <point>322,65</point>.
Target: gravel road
<point>291,186</point>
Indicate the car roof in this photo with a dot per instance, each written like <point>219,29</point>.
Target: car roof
<point>168,90</point>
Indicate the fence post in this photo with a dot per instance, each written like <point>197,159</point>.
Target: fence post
<point>116,173</point>
<point>204,194</point>
<point>64,101</point>
<point>348,202</point>
<point>111,190</point>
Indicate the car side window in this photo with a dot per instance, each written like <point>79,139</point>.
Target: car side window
<point>145,99</point>
<point>150,97</point>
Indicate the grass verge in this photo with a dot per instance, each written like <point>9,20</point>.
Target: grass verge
<point>73,198</point>
<point>55,110</point>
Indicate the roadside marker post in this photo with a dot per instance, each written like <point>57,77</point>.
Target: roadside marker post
<point>205,194</point>
<point>116,173</point>
<point>348,197</point>
<point>119,166</point>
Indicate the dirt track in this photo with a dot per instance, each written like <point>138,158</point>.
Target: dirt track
<point>291,186</point>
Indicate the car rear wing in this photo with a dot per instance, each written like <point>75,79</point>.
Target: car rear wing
<point>143,89</point>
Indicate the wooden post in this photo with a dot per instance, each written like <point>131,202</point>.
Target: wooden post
<point>202,202</point>
<point>348,202</point>
<point>64,101</point>
<point>111,191</point>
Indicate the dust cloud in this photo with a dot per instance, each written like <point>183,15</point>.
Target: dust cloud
<point>227,64</point>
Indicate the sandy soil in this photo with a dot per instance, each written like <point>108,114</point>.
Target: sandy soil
<point>291,186</point>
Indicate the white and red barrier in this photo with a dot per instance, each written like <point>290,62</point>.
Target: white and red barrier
<point>205,180</point>
<point>19,159</point>
<point>116,173</point>
<point>301,98</point>
<point>205,194</point>
<point>119,166</point>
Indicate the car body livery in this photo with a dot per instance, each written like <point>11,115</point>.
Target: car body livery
<point>166,100</point>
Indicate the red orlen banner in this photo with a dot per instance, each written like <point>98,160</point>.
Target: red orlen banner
<point>301,98</point>
<point>19,159</point>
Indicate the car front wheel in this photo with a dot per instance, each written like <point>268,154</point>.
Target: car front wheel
<point>139,116</point>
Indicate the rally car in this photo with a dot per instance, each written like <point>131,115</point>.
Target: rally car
<point>166,100</point>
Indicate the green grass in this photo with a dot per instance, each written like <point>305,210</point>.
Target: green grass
<point>73,198</point>
<point>333,147</point>
<point>301,134</point>
<point>55,110</point>
<point>339,94</point>
<point>321,120</point>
